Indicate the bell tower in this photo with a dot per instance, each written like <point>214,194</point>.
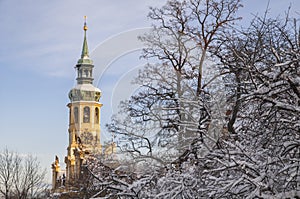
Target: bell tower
<point>84,115</point>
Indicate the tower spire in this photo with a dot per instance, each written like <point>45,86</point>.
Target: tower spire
<point>85,65</point>
<point>85,49</point>
<point>85,58</point>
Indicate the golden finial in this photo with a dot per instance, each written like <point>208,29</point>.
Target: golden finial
<point>85,26</point>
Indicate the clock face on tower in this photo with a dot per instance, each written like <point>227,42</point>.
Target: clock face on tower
<point>87,138</point>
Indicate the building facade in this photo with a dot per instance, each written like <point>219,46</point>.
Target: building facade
<point>84,122</point>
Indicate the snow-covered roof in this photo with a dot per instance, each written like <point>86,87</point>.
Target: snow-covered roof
<point>87,87</point>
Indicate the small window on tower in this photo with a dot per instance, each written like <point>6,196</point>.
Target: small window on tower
<point>96,115</point>
<point>86,114</point>
<point>76,114</point>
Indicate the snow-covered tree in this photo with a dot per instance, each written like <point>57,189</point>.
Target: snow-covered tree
<point>21,176</point>
<point>173,105</point>
<point>256,153</point>
<point>259,157</point>
<point>263,151</point>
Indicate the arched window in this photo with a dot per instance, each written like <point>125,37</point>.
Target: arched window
<point>79,73</point>
<point>76,114</point>
<point>86,114</point>
<point>96,115</point>
<point>86,72</point>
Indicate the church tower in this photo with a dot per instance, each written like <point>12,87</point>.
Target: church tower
<point>84,116</point>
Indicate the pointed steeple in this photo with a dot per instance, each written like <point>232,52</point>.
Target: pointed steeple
<point>85,59</point>
<point>85,49</point>
<point>85,64</point>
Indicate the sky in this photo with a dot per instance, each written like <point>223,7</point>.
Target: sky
<point>40,43</point>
